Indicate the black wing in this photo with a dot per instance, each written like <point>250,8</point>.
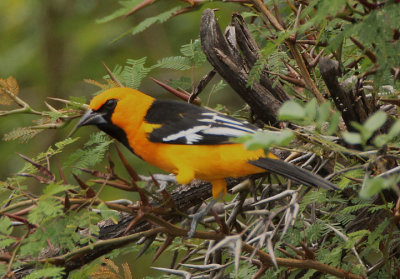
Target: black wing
<point>184,123</point>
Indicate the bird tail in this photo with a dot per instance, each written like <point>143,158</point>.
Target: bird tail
<point>293,172</point>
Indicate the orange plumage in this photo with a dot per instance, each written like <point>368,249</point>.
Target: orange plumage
<point>183,139</point>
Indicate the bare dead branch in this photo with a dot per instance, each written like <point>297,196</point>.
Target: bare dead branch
<point>229,63</point>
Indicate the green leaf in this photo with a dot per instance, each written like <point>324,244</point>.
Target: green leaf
<point>23,134</point>
<point>378,234</point>
<point>311,109</point>
<point>354,208</point>
<point>47,272</point>
<point>61,144</point>
<point>54,115</point>
<point>358,126</point>
<point>264,59</point>
<point>194,53</point>
<point>352,138</point>
<point>333,123</point>
<point>248,14</point>
<point>5,230</point>
<point>323,113</point>
<point>395,129</point>
<point>381,140</point>
<point>355,236</point>
<point>188,50</point>
<point>3,268</point>
<point>6,241</point>
<point>134,72</point>
<point>276,63</point>
<point>77,102</point>
<point>143,25</point>
<point>127,6</point>
<point>179,63</point>
<point>374,185</point>
<point>217,87</point>
<point>182,82</point>
<point>256,71</point>
<point>266,139</point>
<point>155,19</point>
<point>92,153</point>
<point>285,137</point>
<point>107,213</point>
<point>316,231</point>
<point>53,189</point>
<point>375,121</point>
<point>291,110</point>
<point>47,208</point>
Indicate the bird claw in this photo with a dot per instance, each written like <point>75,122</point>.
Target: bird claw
<point>197,217</point>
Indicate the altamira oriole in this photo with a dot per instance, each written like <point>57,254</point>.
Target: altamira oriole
<point>187,140</point>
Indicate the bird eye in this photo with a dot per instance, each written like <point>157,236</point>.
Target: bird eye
<point>110,104</point>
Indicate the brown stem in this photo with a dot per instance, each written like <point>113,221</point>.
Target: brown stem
<point>330,72</point>
<point>267,13</point>
<point>306,264</point>
<point>310,85</point>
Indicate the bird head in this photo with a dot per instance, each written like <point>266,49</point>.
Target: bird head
<point>102,107</point>
<point>115,112</point>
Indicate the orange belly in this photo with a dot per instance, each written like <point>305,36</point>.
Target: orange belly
<point>207,162</point>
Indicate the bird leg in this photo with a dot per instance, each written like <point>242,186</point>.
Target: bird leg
<point>218,191</point>
<point>196,218</point>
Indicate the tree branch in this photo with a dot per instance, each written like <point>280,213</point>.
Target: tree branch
<point>229,63</point>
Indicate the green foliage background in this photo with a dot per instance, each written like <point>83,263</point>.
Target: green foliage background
<point>50,47</point>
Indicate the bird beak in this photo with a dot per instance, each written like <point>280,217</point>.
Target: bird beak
<point>89,118</point>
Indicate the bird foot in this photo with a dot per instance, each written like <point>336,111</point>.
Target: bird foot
<point>197,217</point>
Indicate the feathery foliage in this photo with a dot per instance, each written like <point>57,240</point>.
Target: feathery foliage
<point>23,134</point>
<point>142,26</point>
<point>132,74</point>
<point>178,63</point>
<point>47,272</point>
<point>268,223</point>
<point>92,153</point>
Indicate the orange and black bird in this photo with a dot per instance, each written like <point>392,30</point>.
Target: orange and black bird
<point>187,140</point>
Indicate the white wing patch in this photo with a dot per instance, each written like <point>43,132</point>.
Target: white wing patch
<point>225,121</point>
<point>190,135</point>
<point>224,131</point>
<point>218,125</point>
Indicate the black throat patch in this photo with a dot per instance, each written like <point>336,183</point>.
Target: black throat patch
<point>112,130</point>
<point>115,132</point>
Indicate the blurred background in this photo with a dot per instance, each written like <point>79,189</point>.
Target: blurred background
<point>51,46</point>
